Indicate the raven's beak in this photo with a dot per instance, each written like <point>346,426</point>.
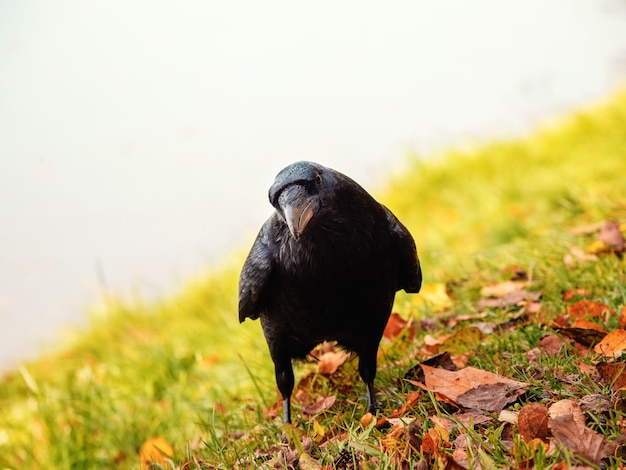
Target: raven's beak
<point>298,208</point>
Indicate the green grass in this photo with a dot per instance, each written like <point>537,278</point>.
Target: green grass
<point>183,368</point>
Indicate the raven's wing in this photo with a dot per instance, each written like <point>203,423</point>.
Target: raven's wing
<point>408,264</point>
<point>255,275</point>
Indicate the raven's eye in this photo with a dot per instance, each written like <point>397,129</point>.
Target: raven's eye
<point>318,180</point>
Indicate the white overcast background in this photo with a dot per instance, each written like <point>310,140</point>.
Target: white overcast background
<point>138,138</point>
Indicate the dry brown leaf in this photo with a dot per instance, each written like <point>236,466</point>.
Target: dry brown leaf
<point>551,345</point>
<point>155,450</point>
<point>450,385</point>
<point>532,422</point>
<point>471,418</point>
<point>612,374</point>
<point>580,439</point>
<point>441,360</point>
<point>595,403</point>
<point>611,235</point>
<point>518,297</point>
<point>330,361</point>
<point>589,309</point>
<point>566,407</point>
<point>410,402</point>
<point>613,344</point>
<point>489,397</point>
<point>319,405</point>
<point>584,336</point>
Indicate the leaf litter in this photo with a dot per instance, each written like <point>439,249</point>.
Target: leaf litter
<point>462,401</point>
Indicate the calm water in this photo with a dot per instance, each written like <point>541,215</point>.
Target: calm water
<point>137,141</point>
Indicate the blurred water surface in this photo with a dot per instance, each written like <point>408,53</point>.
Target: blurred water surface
<point>138,139</point>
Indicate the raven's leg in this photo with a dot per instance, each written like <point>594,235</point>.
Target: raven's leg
<point>367,370</point>
<point>285,382</point>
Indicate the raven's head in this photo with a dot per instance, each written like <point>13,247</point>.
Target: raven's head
<point>297,193</point>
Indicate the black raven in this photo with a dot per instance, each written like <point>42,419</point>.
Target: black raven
<point>325,266</point>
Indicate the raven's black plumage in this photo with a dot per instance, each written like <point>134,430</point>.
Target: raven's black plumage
<point>325,266</point>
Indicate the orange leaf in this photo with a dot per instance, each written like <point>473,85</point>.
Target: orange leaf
<point>613,344</point>
<point>613,374</point>
<point>471,388</point>
<point>589,309</point>
<point>395,325</point>
<point>330,361</point>
<point>588,325</point>
<point>570,430</point>
<point>155,450</point>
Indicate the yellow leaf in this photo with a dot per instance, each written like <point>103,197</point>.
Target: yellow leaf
<point>155,450</point>
<point>500,290</point>
<point>306,462</point>
<point>433,294</point>
<point>319,431</point>
<point>613,344</point>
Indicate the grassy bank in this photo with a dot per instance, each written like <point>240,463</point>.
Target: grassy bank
<point>183,378</point>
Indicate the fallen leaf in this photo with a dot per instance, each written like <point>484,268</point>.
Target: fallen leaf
<point>330,361</point>
<point>579,438</point>
<point>585,336</point>
<point>410,403</point>
<point>508,416</point>
<point>595,403</point>
<point>155,451</point>
<point>489,397</point>
<point>435,295</point>
<point>469,419</point>
<point>465,339</point>
<point>566,407</point>
<point>319,432</point>
<point>571,294</point>
<point>612,374</point>
<point>532,422</point>
<point>319,405</point>
<point>448,386</point>
<point>441,360</point>
<point>589,325</point>
<point>503,288</point>
<point>395,325</point>
<point>589,309</point>
<point>414,433</point>
<point>551,345</point>
<point>283,456</point>
<point>518,298</point>
<point>367,419</point>
<point>611,236</point>
<point>613,344</point>
<point>306,462</point>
